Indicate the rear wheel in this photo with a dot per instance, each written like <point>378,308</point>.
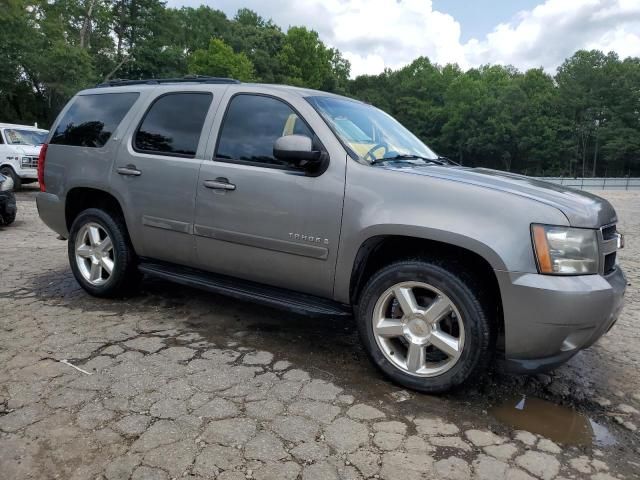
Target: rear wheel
<point>423,326</point>
<point>100,254</point>
<point>7,171</point>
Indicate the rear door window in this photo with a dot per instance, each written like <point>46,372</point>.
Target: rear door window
<point>91,119</point>
<point>173,124</point>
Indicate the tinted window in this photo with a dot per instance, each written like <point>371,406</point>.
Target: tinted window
<point>173,124</point>
<point>91,119</point>
<point>252,125</point>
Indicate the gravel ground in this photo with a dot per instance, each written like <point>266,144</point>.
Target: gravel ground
<point>177,383</point>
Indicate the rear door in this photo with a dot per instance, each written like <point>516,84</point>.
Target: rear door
<point>157,170</point>
<point>256,218</point>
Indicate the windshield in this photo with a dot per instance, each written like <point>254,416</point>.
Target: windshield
<point>369,132</point>
<point>24,137</point>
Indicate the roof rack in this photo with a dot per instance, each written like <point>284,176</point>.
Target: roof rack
<point>157,81</point>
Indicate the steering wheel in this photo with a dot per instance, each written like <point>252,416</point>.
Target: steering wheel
<point>377,146</point>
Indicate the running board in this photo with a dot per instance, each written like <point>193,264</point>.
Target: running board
<point>281,298</point>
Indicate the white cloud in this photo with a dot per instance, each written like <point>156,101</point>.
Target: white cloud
<point>552,31</point>
<point>378,34</point>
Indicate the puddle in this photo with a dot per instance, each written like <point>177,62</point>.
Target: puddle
<point>560,424</point>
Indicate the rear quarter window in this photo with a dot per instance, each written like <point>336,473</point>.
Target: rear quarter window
<point>91,119</point>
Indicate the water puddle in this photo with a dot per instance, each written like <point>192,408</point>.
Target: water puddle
<point>560,424</point>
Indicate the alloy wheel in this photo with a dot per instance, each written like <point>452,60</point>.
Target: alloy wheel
<point>418,329</point>
<point>95,255</point>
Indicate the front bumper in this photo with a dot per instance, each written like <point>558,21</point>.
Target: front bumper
<point>548,319</point>
<point>28,173</point>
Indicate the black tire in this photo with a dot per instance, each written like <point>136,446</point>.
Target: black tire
<point>477,350</point>
<point>125,276</point>
<point>7,218</point>
<point>7,171</point>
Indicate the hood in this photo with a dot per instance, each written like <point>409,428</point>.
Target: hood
<point>581,208</point>
<point>27,150</point>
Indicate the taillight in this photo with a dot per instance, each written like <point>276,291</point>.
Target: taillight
<point>41,159</point>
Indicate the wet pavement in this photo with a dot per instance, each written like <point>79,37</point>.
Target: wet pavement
<point>193,385</point>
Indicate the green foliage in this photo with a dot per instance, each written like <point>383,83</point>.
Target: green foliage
<point>219,60</point>
<point>306,61</point>
<point>585,119</point>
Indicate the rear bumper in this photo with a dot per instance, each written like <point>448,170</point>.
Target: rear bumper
<point>549,319</point>
<point>51,211</point>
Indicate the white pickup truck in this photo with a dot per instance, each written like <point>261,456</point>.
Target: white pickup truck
<point>19,150</point>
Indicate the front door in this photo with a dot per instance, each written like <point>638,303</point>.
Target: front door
<point>256,218</point>
<point>156,174</point>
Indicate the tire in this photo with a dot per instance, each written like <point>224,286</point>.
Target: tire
<point>124,275</point>
<point>401,345</point>
<point>7,218</point>
<point>7,171</point>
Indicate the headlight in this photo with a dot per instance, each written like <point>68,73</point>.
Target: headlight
<point>6,185</point>
<point>565,250</point>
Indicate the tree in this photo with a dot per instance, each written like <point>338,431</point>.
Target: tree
<point>584,120</point>
<point>306,61</point>
<point>219,60</point>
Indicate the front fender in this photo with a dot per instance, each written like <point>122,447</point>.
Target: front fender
<point>493,224</point>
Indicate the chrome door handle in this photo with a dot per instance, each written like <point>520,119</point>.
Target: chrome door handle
<point>219,184</point>
<point>129,170</point>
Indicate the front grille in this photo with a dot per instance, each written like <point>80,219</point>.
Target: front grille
<point>29,162</point>
<point>609,247</point>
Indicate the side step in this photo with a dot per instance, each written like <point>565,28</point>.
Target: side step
<point>245,290</point>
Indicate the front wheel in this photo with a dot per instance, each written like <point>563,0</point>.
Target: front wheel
<point>10,172</point>
<point>100,254</point>
<point>423,326</point>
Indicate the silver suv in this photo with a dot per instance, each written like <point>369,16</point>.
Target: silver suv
<point>323,205</point>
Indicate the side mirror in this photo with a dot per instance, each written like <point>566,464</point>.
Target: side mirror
<point>297,150</point>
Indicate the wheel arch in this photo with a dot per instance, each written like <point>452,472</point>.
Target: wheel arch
<point>80,198</point>
<point>381,250</point>
<point>7,164</point>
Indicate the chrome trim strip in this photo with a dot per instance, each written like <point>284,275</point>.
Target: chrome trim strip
<point>267,243</point>
<point>609,246</point>
<point>166,224</point>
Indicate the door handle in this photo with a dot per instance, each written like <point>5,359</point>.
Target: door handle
<point>219,184</point>
<point>129,170</point>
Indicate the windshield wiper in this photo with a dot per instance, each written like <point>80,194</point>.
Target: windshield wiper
<point>437,161</point>
<point>448,160</point>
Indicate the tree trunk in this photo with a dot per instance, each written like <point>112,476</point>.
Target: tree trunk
<point>595,156</point>
<point>583,141</point>
<point>119,29</point>
<point>85,31</point>
<point>112,72</point>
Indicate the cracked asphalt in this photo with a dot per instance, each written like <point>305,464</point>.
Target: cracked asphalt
<point>177,383</point>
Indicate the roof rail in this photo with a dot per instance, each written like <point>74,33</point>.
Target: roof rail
<point>118,82</point>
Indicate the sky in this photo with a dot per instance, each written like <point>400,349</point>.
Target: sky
<point>378,34</point>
